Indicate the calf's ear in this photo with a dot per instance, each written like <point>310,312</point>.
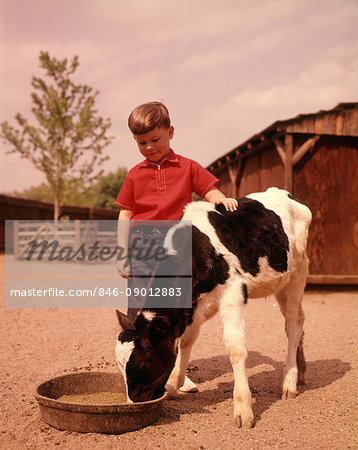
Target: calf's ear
<point>124,321</point>
<point>158,329</point>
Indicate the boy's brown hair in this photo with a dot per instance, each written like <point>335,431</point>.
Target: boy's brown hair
<point>146,117</point>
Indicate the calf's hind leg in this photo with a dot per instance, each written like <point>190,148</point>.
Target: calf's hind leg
<point>232,308</point>
<point>301,362</point>
<point>290,301</point>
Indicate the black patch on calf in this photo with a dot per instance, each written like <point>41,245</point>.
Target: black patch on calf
<point>244,290</point>
<point>209,268</point>
<point>250,232</point>
<point>127,335</point>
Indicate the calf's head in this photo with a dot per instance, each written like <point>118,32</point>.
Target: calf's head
<point>145,354</point>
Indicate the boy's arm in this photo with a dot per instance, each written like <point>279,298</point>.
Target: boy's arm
<point>215,196</point>
<point>122,239</point>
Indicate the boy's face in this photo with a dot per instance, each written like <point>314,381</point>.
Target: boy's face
<point>155,145</point>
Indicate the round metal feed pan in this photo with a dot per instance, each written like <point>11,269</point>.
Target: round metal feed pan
<point>112,419</point>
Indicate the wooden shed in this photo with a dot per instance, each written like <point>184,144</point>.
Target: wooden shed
<point>315,157</point>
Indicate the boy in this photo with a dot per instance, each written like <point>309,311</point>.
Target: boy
<point>157,188</point>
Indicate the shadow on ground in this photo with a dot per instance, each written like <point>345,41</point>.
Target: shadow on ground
<point>265,385</point>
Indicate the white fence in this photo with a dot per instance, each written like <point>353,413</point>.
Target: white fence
<point>67,233</point>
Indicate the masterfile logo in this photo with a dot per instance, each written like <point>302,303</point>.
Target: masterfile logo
<point>73,264</point>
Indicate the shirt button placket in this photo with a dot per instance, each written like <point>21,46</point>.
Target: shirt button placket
<point>160,176</point>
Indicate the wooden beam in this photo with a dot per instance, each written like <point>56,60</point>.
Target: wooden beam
<point>235,173</point>
<point>280,150</point>
<point>240,171</point>
<point>288,166</point>
<point>232,173</point>
<point>333,279</point>
<point>303,149</point>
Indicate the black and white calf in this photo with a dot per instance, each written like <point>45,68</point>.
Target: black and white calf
<point>256,251</point>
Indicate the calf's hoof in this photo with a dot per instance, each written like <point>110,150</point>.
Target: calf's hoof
<point>171,391</point>
<point>288,395</point>
<point>245,423</point>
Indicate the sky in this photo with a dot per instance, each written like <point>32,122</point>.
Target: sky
<point>226,69</point>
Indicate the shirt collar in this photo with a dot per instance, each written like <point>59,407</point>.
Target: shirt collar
<point>171,157</point>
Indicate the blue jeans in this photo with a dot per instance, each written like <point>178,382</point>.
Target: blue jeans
<point>145,240</point>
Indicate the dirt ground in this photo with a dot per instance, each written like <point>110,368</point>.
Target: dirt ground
<point>38,344</point>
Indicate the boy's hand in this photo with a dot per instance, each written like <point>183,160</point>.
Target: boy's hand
<point>229,203</point>
<point>123,268</point>
<point>217,197</point>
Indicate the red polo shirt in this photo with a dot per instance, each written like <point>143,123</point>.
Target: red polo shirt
<point>160,192</point>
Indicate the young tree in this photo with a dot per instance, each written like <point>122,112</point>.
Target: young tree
<point>68,141</point>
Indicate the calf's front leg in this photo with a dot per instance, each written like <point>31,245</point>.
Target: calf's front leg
<point>232,308</point>
<point>185,344</point>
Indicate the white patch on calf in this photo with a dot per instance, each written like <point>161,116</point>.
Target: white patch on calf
<point>123,353</point>
<point>168,244</point>
<point>193,212</point>
<point>266,281</point>
<point>149,315</point>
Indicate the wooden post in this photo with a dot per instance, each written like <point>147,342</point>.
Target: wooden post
<point>16,238</point>
<point>77,234</point>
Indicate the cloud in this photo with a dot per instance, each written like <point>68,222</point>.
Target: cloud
<point>322,86</point>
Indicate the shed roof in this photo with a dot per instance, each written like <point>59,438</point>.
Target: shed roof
<point>342,120</point>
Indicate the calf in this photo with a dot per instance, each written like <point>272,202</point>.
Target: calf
<point>256,251</point>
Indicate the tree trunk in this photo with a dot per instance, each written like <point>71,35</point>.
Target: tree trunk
<point>57,209</point>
